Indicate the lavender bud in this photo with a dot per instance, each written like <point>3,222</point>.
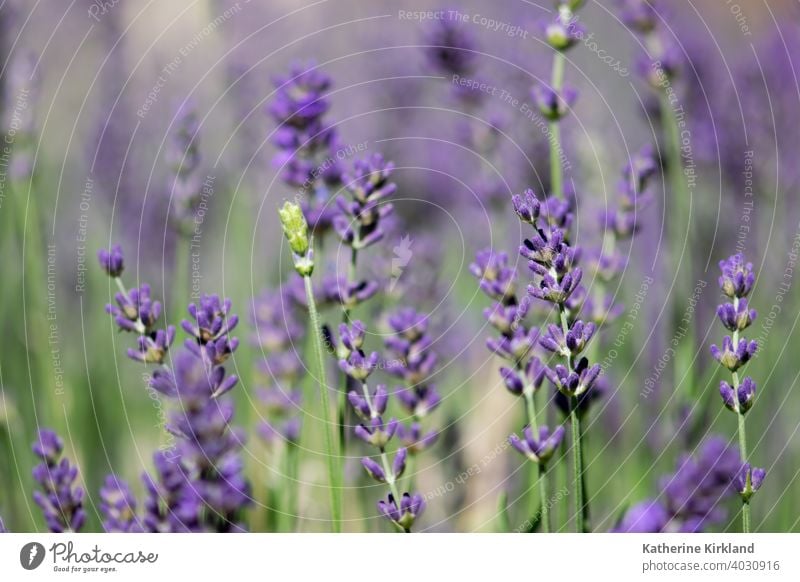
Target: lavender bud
<point>374,469</point>
<point>540,447</point>
<point>399,463</point>
<point>737,277</point>
<point>736,318</point>
<point>554,105</point>
<point>734,358</point>
<point>527,206</point>
<point>749,480</point>
<point>112,261</point>
<point>405,515</point>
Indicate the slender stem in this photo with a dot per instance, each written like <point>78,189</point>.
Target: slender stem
<point>342,410</point>
<point>544,501</point>
<point>291,510</point>
<point>577,463</point>
<point>743,453</point>
<point>556,171</point>
<point>679,238</point>
<point>329,418</point>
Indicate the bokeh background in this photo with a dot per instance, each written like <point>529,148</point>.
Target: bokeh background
<point>92,91</point>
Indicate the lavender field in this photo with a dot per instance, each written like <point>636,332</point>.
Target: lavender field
<point>346,266</point>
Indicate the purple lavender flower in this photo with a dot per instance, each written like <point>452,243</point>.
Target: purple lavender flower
<point>734,357</point>
<point>112,260</point>
<point>212,319</point>
<point>496,278</point>
<point>571,343</point>
<point>404,516</point>
<point>359,222</point>
<point>305,142</point>
<point>640,15</point>
<point>739,399</point>
<point>563,33</point>
<point>554,105</point>
<point>737,279</point>
<point>135,310</point>
<point>172,503</point>
<point>414,361</point>
<point>451,49</point>
<point>540,447</point>
<point>182,154</point>
<point>279,334</point>
<point>118,506</point>
<point>690,499</point>
<point>574,383</point>
<point>60,499</point>
<point>414,440</point>
<point>749,480</point>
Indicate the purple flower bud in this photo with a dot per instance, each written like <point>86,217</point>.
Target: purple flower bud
<point>399,463</point>
<point>526,206</point>
<point>497,278</point>
<point>112,261</point>
<point>59,498</point>
<point>734,358</point>
<point>352,337</point>
<point>376,433</point>
<point>118,507</point>
<point>736,318</point>
<point>540,447</point>
<point>374,469</point>
<point>562,34</point>
<point>404,516</point>
<point>577,382</point>
<point>211,319</point>
<point>153,348</point>
<point>737,278</point>
<point>413,439</point>
<point>749,480</point>
<point>553,105</point>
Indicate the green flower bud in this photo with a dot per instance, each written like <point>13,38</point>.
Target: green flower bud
<point>295,227</point>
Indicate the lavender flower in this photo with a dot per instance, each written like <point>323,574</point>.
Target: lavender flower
<point>118,506</point>
<point>749,480</point>
<point>359,222</point>
<point>136,311</point>
<point>736,282</point>
<point>690,499</point>
<point>451,49</point>
<point>554,104</point>
<point>172,503</point>
<point>404,516</point>
<point>540,447</point>
<point>414,361</point>
<point>374,430</point>
<point>279,335</point>
<point>183,157</point>
<point>60,499</point>
<point>306,144</point>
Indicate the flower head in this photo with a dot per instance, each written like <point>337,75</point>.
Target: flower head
<point>112,260</point>
<point>59,498</point>
<point>737,277</point>
<point>118,506</point>
<point>404,515</point>
<point>734,357</point>
<point>540,447</point>
<point>738,400</point>
<point>749,480</point>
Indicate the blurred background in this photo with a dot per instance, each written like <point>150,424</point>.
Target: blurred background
<point>94,93</point>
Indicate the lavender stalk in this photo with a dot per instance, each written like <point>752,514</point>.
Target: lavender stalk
<point>555,101</point>
<point>295,228</point>
<point>736,282</point>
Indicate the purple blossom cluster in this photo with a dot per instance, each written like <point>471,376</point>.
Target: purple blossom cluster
<point>59,497</point>
<point>736,282</point>
<point>199,486</point>
<point>307,144</point>
<point>692,498</point>
<point>370,406</point>
<point>280,336</point>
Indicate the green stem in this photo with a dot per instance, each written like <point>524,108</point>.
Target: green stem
<point>556,171</point>
<point>544,500</point>
<point>342,410</point>
<point>577,463</point>
<point>680,234</point>
<point>743,453</point>
<point>577,453</point>
<point>291,510</point>
<point>332,452</point>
